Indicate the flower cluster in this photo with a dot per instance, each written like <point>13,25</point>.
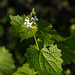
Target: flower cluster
<point>27,21</point>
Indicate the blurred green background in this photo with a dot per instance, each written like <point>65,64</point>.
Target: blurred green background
<point>61,13</point>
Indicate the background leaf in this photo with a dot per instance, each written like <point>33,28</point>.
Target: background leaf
<point>6,62</point>
<point>1,31</point>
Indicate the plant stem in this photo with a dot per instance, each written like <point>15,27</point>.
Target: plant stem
<point>36,42</point>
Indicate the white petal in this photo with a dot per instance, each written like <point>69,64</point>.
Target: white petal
<point>32,18</point>
<point>24,22</point>
<point>26,19</point>
<point>27,25</point>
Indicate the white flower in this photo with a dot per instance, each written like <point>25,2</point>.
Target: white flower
<point>27,22</point>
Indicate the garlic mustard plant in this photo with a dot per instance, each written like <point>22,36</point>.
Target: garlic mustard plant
<point>48,53</point>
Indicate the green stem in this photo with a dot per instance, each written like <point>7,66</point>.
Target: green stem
<point>36,42</point>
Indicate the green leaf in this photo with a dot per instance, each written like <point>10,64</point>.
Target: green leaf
<point>67,54</point>
<point>27,33</point>
<point>47,62</point>
<point>70,42</point>
<point>16,24</point>
<point>42,24</point>
<point>1,73</point>
<point>44,39</point>
<point>25,70</point>
<point>46,34</point>
<point>67,47</point>
<point>6,62</point>
<point>46,27</point>
<point>21,30</point>
<point>54,34</point>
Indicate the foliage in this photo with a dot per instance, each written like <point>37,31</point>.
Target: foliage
<point>47,62</point>
<point>49,52</point>
<point>25,70</point>
<point>60,13</point>
<point>6,62</point>
<point>67,48</point>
